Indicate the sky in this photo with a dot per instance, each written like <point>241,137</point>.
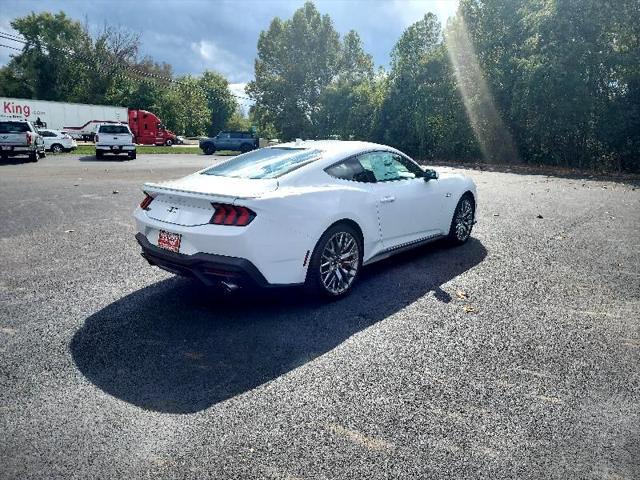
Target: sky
<point>196,35</point>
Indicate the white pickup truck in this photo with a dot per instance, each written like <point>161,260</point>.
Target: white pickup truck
<point>115,139</point>
<point>18,137</point>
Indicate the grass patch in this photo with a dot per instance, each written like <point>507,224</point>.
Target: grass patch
<point>141,150</point>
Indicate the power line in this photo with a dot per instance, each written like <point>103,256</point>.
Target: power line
<point>12,48</point>
<point>124,66</point>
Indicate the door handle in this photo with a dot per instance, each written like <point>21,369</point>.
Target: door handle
<point>388,199</point>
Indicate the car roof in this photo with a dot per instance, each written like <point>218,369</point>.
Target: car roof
<point>333,150</point>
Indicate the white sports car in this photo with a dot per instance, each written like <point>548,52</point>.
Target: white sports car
<point>308,212</point>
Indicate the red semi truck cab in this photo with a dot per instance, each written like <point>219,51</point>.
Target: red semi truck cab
<point>148,129</point>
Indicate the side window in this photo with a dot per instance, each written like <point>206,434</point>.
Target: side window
<point>407,168</point>
<point>388,166</point>
<point>351,169</point>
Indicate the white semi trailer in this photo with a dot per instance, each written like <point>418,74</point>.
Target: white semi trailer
<point>78,120</point>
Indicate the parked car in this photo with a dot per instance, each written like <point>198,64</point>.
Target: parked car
<point>229,140</point>
<point>115,139</point>
<point>19,137</point>
<point>309,213</point>
<point>180,140</point>
<point>56,141</point>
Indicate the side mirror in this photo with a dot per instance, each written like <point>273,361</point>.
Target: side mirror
<point>430,175</point>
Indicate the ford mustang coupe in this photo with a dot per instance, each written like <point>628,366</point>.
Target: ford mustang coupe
<point>303,213</point>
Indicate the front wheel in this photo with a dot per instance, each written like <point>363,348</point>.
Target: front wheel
<point>462,221</point>
<point>56,148</point>
<point>169,142</point>
<point>209,149</point>
<point>132,155</point>
<point>335,263</point>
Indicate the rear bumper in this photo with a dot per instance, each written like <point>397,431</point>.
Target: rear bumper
<point>12,150</point>
<point>120,149</point>
<point>210,269</point>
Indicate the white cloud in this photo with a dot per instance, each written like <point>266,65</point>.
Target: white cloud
<point>238,90</point>
<point>211,56</point>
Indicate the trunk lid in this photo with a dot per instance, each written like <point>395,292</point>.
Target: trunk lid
<point>188,201</point>
<point>17,139</point>
<point>115,138</point>
<point>15,133</point>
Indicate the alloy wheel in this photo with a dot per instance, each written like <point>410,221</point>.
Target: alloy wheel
<point>339,263</point>
<point>464,220</point>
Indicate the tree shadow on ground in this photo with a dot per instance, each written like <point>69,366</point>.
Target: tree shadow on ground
<point>178,347</point>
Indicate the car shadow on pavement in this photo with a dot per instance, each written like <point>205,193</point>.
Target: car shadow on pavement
<point>108,158</point>
<point>177,347</point>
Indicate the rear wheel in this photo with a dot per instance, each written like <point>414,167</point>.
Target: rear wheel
<point>335,263</point>
<point>33,157</point>
<point>245,148</point>
<point>462,221</point>
<point>99,154</point>
<point>57,148</point>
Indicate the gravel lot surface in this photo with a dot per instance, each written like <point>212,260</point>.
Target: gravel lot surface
<point>516,355</point>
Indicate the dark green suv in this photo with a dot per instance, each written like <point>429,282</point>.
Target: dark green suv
<point>229,140</point>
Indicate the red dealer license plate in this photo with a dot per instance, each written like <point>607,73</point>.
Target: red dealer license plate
<point>169,241</point>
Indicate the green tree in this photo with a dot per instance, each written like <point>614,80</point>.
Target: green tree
<point>563,75</point>
<point>220,102</point>
<point>349,105</point>
<point>422,113</point>
<point>297,59</point>
<point>47,68</point>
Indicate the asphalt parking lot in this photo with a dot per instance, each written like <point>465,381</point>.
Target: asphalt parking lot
<point>516,355</point>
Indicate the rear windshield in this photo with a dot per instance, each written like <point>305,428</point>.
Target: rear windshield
<point>264,163</point>
<point>14,127</point>
<point>115,129</point>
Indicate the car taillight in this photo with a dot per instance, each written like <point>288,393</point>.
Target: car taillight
<point>226,214</point>
<point>28,138</point>
<point>146,202</point>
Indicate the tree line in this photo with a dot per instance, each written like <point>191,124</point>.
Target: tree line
<point>552,82</point>
<point>61,61</point>
<point>536,81</point>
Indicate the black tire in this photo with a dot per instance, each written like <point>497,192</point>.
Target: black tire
<point>132,155</point>
<point>244,148</point>
<point>42,154</point>
<point>168,142</point>
<point>57,148</point>
<point>463,220</point>
<point>33,157</point>
<point>99,155</point>
<point>316,283</point>
<point>208,149</point>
